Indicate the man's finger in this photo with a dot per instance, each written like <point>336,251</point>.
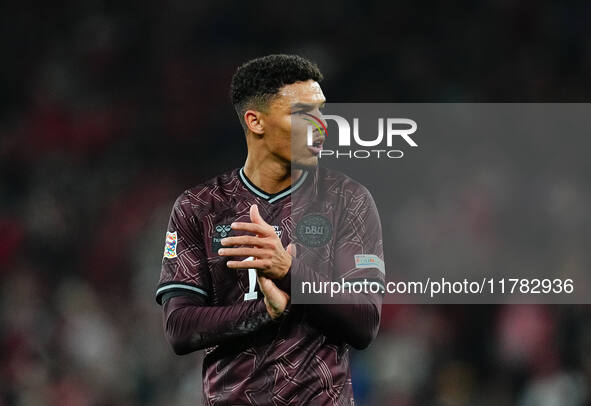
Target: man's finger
<point>256,264</point>
<point>269,288</point>
<point>243,252</point>
<point>255,216</point>
<point>245,240</point>
<point>253,228</point>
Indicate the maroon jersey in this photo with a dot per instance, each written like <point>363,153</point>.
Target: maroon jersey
<point>303,357</point>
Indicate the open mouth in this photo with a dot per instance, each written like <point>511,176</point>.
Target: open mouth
<point>316,146</point>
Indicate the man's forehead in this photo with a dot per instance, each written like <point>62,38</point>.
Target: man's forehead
<point>302,92</point>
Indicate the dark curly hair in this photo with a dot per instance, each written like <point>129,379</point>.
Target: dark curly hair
<point>257,81</point>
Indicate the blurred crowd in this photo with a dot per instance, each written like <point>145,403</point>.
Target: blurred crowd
<point>111,110</point>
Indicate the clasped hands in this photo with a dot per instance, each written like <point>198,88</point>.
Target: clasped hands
<point>271,260</point>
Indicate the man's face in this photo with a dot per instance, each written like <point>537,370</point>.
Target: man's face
<point>286,123</point>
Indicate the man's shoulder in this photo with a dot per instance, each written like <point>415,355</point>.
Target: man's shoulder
<point>331,179</point>
<point>348,194</point>
<point>222,180</point>
<point>205,195</point>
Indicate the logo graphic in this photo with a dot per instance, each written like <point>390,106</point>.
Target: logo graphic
<point>316,122</point>
<point>170,245</point>
<point>391,127</point>
<point>313,230</point>
<point>220,231</point>
<point>369,261</point>
<point>278,231</point>
<point>223,229</point>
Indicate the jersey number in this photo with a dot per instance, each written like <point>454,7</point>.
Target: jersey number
<point>252,283</point>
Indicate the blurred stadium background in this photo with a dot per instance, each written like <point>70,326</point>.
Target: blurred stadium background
<point>110,110</point>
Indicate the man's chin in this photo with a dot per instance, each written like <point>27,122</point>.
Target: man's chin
<point>305,163</point>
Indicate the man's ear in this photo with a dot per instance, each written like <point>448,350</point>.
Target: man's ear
<point>254,121</point>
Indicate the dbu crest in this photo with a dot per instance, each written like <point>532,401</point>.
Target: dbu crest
<point>314,230</point>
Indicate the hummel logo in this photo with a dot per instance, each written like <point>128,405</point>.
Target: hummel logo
<point>223,229</point>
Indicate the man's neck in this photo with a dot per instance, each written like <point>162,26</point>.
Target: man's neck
<point>270,176</point>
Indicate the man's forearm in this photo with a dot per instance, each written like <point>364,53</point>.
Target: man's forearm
<point>355,324</point>
<point>190,325</point>
<point>356,317</point>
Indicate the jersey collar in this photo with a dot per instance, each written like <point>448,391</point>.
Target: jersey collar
<point>271,198</point>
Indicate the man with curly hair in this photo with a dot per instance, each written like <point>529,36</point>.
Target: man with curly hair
<point>230,255</point>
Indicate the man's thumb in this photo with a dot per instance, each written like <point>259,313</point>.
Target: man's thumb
<point>267,286</point>
<point>255,216</point>
<point>291,249</point>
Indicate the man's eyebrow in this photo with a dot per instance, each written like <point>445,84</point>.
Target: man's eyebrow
<point>308,106</point>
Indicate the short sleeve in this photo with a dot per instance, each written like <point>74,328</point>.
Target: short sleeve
<point>184,262</point>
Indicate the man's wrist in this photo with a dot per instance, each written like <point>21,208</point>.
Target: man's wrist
<point>263,308</point>
<point>285,282</point>
<point>277,316</point>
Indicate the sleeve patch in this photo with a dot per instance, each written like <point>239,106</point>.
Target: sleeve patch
<point>369,261</point>
<point>170,246</point>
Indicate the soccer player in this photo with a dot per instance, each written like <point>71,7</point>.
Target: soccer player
<point>236,245</point>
